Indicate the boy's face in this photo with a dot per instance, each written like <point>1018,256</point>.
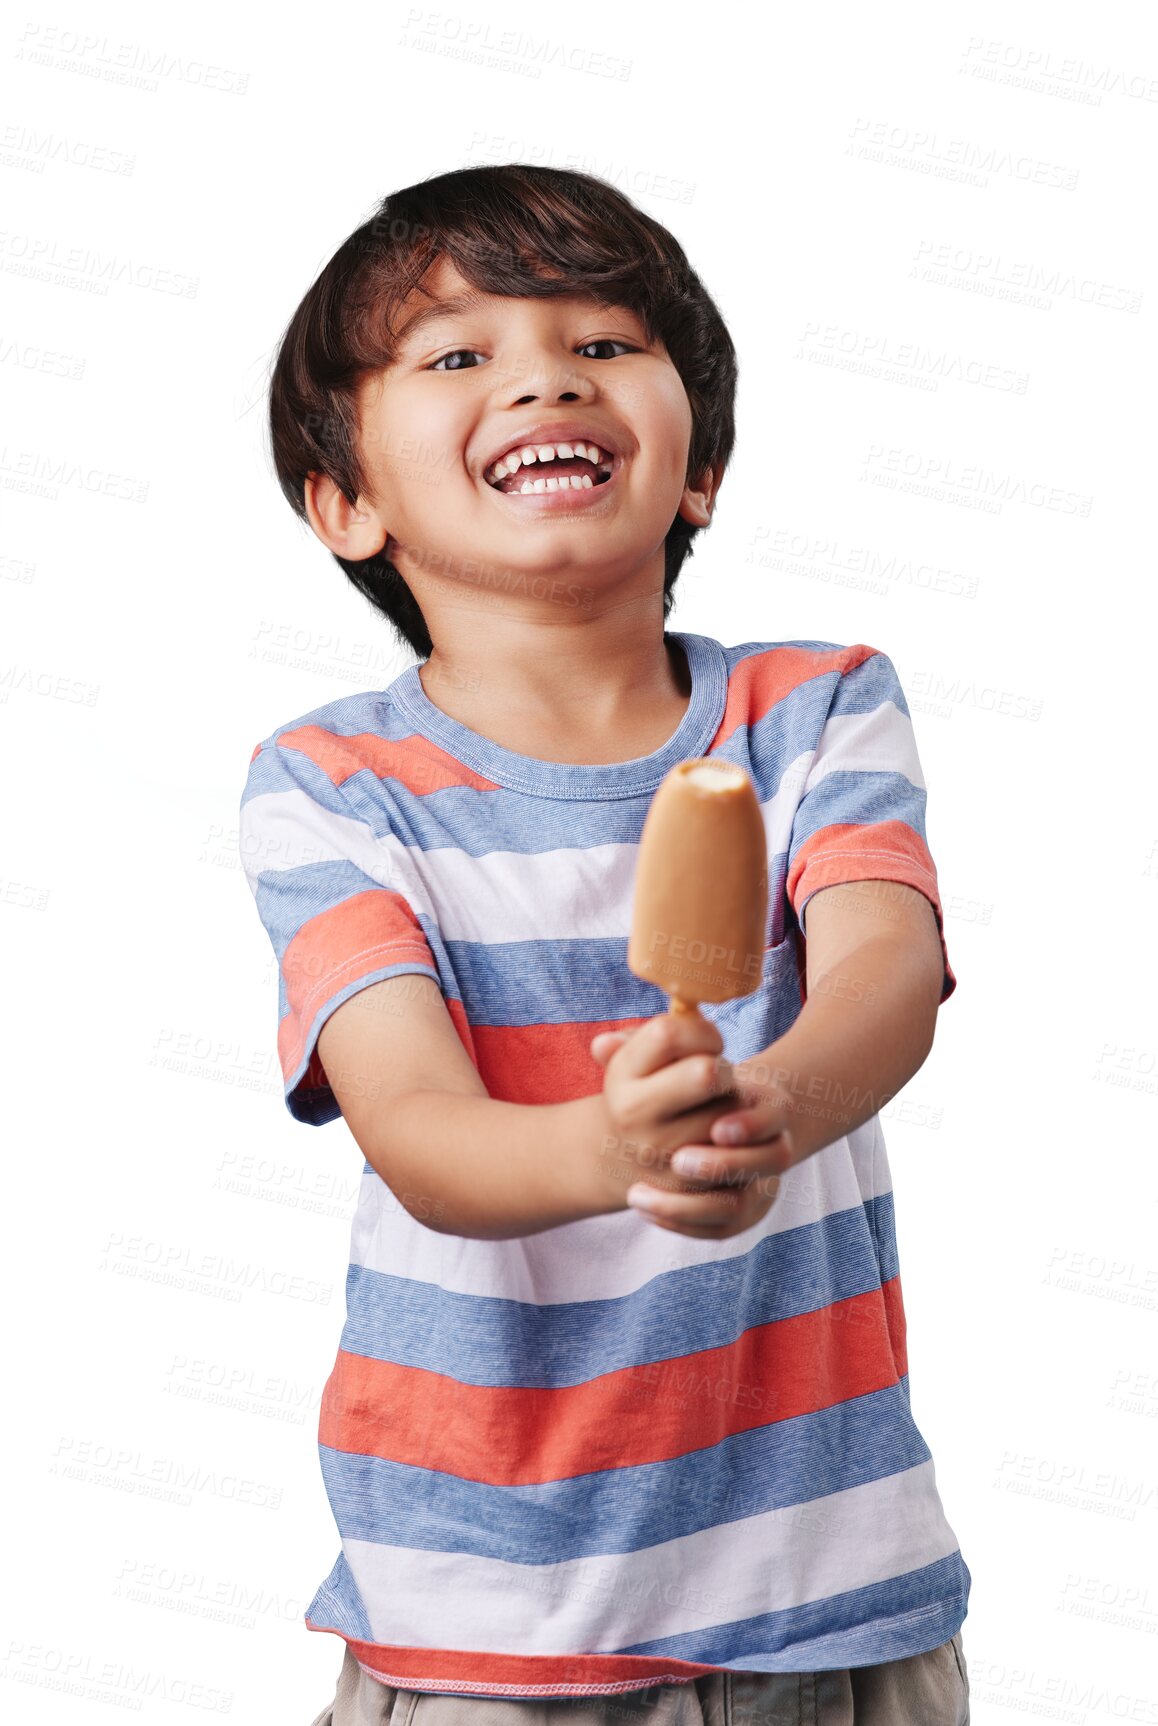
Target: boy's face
<point>466,386</point>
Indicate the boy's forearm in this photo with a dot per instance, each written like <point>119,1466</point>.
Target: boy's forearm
<point>858,1039</point>
<point>490,1170</point>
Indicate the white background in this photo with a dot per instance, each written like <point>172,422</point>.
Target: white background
<point>930,230</point>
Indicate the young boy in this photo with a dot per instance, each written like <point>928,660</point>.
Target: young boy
<point>597,1423</point>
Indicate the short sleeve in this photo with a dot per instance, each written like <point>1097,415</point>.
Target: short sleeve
<point>861,814</point>
<point>335,900</point>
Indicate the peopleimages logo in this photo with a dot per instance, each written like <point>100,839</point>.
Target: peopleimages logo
<point>991,274</point>
<point>933,686</point>
<point>1036,68</point>
<point>941,475</point>
<point>927,152</point>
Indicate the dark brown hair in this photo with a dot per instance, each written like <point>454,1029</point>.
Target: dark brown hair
<point>511,229</point>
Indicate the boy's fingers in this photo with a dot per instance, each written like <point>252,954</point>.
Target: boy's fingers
<point>713,1213</point>
<point>708,1208</point>
<point>666,1038</point>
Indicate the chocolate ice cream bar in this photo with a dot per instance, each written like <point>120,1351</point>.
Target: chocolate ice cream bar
<point>701,886</point>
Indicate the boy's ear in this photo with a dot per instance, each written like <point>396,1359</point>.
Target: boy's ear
<point>352,530</point>
<point>699,496</point>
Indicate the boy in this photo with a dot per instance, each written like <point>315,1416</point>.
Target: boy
<point>597,1424</point>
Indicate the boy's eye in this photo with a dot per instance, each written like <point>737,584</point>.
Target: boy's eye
<point>601,342</point>
<point>608,341</point>
<point>452,356</point>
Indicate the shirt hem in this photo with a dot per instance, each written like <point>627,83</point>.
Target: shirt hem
<point>900,1638</point>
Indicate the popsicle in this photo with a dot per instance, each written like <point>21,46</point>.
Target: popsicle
<point>701,886</point>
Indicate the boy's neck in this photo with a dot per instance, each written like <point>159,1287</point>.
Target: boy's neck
<point>566,705</point>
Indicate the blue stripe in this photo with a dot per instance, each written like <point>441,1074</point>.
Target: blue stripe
<point>496,1342</point>
<point>772,1467</point>
<point>865,686</point>
<point>788,730</point>
<point>857,798</point>
<point>589,975</point>
<point>558,981</point>
<point>861,797</point>
<point>337,1605</point>
<point>532,982</point>
<point>287,899</point>
<point>840,1630</point>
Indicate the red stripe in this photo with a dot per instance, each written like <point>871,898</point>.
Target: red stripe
<point>761,680</point>
<point>374,929</point>
<point>542,1063</point>
<point>526,1436</point>
<point>895,1319</point>
<point>416,763</point>
<point>458,1670</point>
<point>867,851</point>
<point>854,851</point>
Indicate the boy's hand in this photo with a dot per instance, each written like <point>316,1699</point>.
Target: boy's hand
<point>654,1078</point>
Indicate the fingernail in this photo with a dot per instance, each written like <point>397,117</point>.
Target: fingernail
<point>640,1199</point>
<point>728,1132</point>
<point>687,1163</point>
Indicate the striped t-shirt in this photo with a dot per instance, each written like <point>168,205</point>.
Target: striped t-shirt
<point>604,1456</point>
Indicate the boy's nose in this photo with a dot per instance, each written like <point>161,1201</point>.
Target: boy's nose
<point>543,374</point>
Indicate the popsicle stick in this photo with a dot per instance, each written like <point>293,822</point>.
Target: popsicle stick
<point>686,1009</point>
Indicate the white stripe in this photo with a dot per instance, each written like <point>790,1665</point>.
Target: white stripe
<point>605,1257</point>
<point>780,1559</point>
<point>882,741</point>
<point>287,829</point>
<point>572,892</point>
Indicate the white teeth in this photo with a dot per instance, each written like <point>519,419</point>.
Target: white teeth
<point>575,482</point>
<point>528,453</point>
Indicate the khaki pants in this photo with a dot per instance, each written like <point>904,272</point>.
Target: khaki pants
<point>924,1690</point>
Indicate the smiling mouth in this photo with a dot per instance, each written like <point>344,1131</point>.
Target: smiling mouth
<point>571,479</point>
<point>576,471</point>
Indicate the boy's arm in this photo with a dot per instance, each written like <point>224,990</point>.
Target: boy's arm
<point>874,973</point>
<point>458,1160</point>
